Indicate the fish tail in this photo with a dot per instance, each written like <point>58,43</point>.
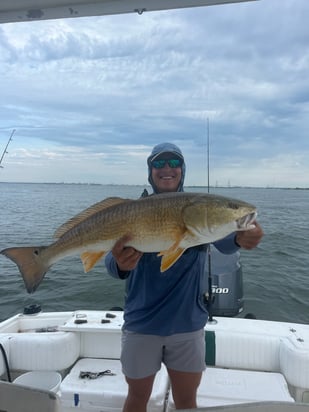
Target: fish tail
<point>31,264</point>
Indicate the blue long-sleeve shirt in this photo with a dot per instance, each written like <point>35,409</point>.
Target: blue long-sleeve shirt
<point>170,302</point>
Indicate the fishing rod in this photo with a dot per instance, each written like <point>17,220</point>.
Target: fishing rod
<point>7,145</point>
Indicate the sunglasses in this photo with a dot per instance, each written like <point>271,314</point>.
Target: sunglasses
<point>173,163</point>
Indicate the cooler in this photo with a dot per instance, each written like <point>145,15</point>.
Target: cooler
<point>106,393</point>
<point>229,386</point>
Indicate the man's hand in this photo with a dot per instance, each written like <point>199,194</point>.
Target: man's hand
<point>126,257</point>
<point>249,239</point>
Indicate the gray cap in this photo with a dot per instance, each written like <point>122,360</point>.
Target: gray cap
<point>166,148</point>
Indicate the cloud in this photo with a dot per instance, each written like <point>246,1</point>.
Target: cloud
<point>117,85</point>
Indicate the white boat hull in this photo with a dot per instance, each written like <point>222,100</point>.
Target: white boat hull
<point>245,358</point>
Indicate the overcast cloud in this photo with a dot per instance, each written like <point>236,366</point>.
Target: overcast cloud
<point>90,97</point>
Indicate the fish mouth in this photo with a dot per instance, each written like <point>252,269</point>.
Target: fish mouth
<point>246,222</point>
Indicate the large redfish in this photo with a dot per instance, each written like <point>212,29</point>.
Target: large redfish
<point>167,223</point>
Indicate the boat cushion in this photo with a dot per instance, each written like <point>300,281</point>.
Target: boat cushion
<point>230,386</point>
<point>106,393</point>
<point>43,351</point>
<point>247,351</point>
<point>294,360</point>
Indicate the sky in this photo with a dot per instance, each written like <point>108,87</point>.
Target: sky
<point>90,97</point>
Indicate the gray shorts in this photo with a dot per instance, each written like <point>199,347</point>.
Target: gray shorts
<point>142,355</point>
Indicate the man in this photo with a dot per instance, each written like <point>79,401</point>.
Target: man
<point>165,314</point>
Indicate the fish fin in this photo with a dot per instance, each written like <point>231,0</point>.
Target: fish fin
<point>89,259</point>
<point>30,263</point>
<point>85,214</point>
<point>169,258</point>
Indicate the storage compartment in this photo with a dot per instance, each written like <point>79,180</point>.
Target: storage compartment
<point>100,333</point>
<point>44,351</point>
<point>106,393</point>
<point>228,386</point>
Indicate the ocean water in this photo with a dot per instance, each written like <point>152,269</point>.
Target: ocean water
<point>276,273</point>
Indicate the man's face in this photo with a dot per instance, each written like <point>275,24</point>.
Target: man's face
<point>166,178</point>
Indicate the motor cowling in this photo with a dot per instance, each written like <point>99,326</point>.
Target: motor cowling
<point>226,282</point>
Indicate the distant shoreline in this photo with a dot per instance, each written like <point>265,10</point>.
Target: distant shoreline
<point>147,186</point>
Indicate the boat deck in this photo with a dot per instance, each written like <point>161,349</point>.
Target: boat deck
<point>245,358</point>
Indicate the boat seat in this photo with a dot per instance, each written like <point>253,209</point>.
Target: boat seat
<point>106,393</point>
<point>43,351</point>
<point>261,352</point>
<point>294,361</point>
<point>246,351</point>
<point>255,407</point>
<point>229,386</point>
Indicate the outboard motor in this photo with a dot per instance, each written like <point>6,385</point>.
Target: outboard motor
<point>227,283</point>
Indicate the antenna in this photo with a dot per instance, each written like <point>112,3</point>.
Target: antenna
<point>7,145</point>
<point>208,185</point>
<point>208,296</point>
